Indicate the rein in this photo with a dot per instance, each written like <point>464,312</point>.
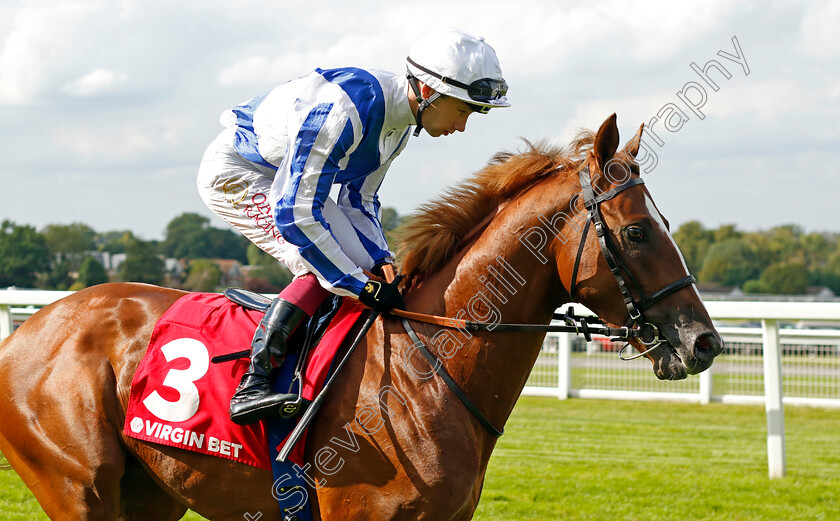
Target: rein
<point>572,324</point>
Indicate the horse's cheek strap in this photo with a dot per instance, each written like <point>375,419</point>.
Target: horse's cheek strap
<point>579,255</point>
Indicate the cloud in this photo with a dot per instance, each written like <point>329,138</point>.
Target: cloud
<point>125,143</point>
<point>286,61</point>
<point>122,88</point>
<point>35,50</point>
<point>769,100</point>
<point>544,38</point>
<point>819,29</point>
<point>98,82</point>
<point>53,49</point>
<point>252,69</point>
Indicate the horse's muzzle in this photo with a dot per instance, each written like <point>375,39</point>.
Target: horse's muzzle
<point>698,350</point>
<point>688,350</point>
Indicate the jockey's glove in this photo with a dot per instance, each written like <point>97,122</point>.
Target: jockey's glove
<point>382,296</point>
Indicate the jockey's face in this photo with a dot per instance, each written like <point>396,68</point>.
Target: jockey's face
<point>445,116</point>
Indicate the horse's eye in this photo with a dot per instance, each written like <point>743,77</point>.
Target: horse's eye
<point>635,233</point>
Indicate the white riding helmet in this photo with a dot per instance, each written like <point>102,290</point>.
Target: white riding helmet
<point>460,65</point>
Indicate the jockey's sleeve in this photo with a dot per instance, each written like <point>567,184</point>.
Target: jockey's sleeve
<point>360,203</point>
<point>322,142</point>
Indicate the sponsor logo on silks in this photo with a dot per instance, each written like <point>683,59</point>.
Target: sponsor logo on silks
<point>185,437</point>
<point>372,288</point>
<point>235,190</point>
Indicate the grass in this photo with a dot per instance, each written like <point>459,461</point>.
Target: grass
<point>635,461</point>
<point>597,460</point>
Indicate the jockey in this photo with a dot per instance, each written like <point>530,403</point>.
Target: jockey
<point>270,172</point>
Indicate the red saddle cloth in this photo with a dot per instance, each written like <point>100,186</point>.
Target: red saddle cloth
<point>179,398</point>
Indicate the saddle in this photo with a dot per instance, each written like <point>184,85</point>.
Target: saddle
<point>192,414</point>
<point>300,343</point>
<point>248,299</point>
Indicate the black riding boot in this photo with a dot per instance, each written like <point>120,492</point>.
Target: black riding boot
<point>254,399</point>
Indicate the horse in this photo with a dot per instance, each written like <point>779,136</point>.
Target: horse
<point>390,441</point>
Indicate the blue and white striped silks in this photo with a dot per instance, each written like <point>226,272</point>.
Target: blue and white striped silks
<point>338,126</point>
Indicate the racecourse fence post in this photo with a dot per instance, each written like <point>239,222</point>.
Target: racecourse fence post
<point>773,398</point>
<point>706,386</point>
<point>564,365</point>
<point>6,324</point>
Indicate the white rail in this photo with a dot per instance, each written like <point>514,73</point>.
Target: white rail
<point>16,305</point>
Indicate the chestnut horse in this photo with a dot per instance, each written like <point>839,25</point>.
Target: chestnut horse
<point>391,440</point>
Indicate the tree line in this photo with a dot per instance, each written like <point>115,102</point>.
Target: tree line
<point>782,260</point>
<point>67,256</point>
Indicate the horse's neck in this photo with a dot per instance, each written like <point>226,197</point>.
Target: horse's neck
<point>496,278</point>
<point>509,265</point>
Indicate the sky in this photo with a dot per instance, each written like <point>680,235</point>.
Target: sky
<point>106,106</point>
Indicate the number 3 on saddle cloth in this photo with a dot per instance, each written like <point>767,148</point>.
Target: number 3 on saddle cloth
<point>180,399</point>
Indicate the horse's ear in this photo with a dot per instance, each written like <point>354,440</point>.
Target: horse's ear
<point>606,141</point>
<point>632,146</point>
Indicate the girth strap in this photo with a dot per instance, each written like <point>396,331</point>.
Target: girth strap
<point>441,371</point>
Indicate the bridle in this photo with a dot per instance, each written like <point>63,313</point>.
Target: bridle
<point>636,326</point>
<point>647,333</point>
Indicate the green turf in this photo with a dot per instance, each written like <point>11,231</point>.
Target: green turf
<point>635,461</point>
<point>598,460</point>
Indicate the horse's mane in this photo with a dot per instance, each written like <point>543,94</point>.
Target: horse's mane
<point>433,233</point>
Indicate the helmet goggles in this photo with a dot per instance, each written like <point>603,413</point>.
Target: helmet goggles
<point>484,90</point>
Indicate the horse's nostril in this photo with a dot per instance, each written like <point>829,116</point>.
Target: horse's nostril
<point>707,344</point>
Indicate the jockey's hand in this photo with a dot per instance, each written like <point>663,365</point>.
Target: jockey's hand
<point>381,296</point>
